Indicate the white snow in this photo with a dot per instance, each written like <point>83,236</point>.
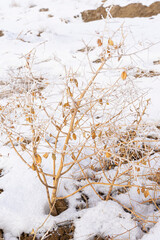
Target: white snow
<point>106,219</point>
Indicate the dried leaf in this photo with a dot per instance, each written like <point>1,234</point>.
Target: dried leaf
<point>110,42</point>
<point>37,139</point>
<point>100,101</point>
<point>144,162</point>
<point>38,158</point>
<point>69,92</point>
<point>84,134</point>
<point>46,155</point>
<point>108,51</point>
<point>73,156</point>
<point>93,134</point>
<point>102,59</point>
<point>76,82</point>
<point>32,232</point>
<point>108,154</point>
<point>124,75</point>
<point>92,167</point>
<point>76,123</point>
<point>100,134</point>
<point>99,42</point>
<point>146,193</point>
<point>33,167</point>
<point>137,169</point>
<point>66,105</point>
<point>32,110</point>
<point>138,190</point>
<point>53,156</point>
<point>143,189</point>
<point>29,119</point>
<point>21,139</point>
<point>23,146</point>
<point>74,136</point>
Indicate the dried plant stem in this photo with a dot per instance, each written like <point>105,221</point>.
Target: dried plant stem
<point>111,186</point>
<point>77,105</point>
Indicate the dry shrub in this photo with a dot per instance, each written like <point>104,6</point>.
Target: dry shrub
<point>93,128</point>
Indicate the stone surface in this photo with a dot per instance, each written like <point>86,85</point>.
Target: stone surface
<point>135,10</point>
<point>93,15</point>
<point>130,11</point>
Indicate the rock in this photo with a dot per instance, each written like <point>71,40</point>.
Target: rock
<point>98,237</point>
<point>65,237</point>
<point>1,234</point>
<point>130,11</point>
<point>135,10</point>
<point>93,15</point>
<point>153,136</point>
<point>1,33</point>
<point>157,62</point>
<point>53,236</point>
<point>25,236</point>
<point>60,231</point>
<point>1,190</point>
<point>50,15</point>
<point>44,10</point>
<point>61,205</point>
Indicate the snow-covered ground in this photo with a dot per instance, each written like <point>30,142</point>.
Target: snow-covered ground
<point>53,32</point>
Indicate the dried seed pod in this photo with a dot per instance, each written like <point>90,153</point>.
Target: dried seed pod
<point>38,159</point>
<point>124,75</point>
<point>74,136</point>
<point>146,193</point>
<point>46,155</point>
<point>93,134</point>
<point>99,42</point>
<point>53,156</point>
<point>138,190</point>
<point>108,154</point>
<point>143,189</point>
<point>33,167</point>
<point>110,42</point>
<point>73,156</point>
<point>100,101</point>
<point>23,146</point>
<point>29,119</point>
<point>66,105</point>
<point>32,110</point>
